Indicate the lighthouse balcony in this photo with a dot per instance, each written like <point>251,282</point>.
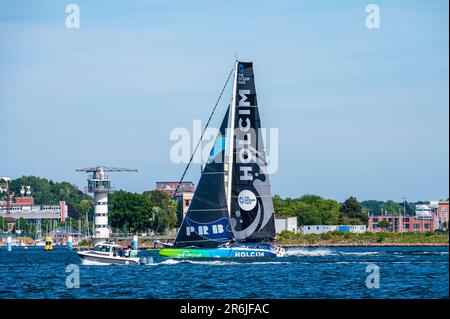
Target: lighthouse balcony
<point>98,186</point>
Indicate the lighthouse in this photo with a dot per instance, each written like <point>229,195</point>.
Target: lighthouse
<point>100,185</point>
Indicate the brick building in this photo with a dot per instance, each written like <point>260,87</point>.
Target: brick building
<point>423,220</point>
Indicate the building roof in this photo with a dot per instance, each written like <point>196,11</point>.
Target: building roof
<point>182,183</point>
<point>9,219</point>
<point>33,214</point>
<point>410,214</point>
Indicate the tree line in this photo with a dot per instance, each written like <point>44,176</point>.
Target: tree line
<point>156,211</point>
<point>315,210</point>
<point>128,212</point>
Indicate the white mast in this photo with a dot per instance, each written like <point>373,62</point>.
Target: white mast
<point>231,139</point>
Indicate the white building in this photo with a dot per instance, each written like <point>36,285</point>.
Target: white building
<point>34,212</point>
<point>424,211</point>
<point>320,229</point>
<point>286,223</point>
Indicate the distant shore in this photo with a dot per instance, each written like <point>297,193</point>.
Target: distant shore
<point>368,245</point>
<point>330,239</point>
<point>367,239</point>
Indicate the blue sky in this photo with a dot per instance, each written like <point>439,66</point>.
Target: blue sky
<point>360,111</point>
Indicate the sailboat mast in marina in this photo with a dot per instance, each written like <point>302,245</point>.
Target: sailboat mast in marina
<point>231,214</point>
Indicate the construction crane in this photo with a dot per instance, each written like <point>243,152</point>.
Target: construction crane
<point>100,185</point>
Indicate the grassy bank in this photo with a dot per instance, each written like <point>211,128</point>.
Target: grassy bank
<point>287,238</point>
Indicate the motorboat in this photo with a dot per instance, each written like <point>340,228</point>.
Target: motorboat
<point>105,253</point>
<point>39,242</point>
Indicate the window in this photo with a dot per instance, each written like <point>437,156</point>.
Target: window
<point>102,248</point>
<point>406,226</point>
<point>375,220</point>
<point>416,226</point>
<point>407,220</point>
<point>427,226</point>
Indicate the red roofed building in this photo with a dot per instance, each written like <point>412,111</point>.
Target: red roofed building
<point>170,187</point>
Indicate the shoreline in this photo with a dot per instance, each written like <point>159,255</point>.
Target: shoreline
<point>367,245</point>
<point>144,247</point>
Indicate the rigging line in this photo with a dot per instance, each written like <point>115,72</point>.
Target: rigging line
<point>201,136</point>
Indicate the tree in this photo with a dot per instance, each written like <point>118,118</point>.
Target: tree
<point>279,204</point>
<point>84,207</point>
<point>344,220</point>
<point>392,208</point>
<point>309,209</point>
<point>129,211</point>
<point>164,211</point>
<point>152,210</point>
<point>384,224</point>
<point>51,193</point>
<point>352,209</point>
<point>3,224</point>
<point>163,218</point>
<point>23,225</point>
<point>46,226</point>
<point>372,206</point>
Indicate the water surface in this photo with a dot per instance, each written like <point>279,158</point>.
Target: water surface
<point>405,272</point>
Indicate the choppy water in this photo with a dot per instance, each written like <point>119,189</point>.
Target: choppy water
<point>405,272</point>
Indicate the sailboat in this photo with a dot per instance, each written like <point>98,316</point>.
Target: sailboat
<point>231,214</point>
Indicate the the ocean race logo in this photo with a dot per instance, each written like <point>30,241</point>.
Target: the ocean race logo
<point>241,70</point>
<point>247,200</point>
